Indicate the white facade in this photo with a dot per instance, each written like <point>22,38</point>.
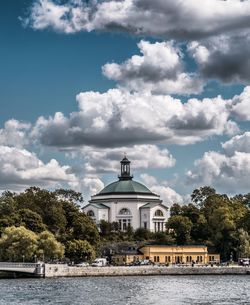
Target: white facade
<point>129,203</point>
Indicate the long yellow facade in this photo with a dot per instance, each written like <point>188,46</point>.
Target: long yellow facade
<point>160,254</point>
<point>179,254</point>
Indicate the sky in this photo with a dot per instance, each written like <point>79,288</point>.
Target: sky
<point>166,82</point>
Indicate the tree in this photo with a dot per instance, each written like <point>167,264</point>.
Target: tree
<point>175,209</point>
<point>105,227</point>
<point>243,249</point>
<point>31,220</point>
<point>69,195</point>
<point>17,243</point>
<point>162,238</point>
<point>48,247</point>
<point>221,223</point>
<point>79,250</point>
<point>180,227</point>
<point>200,195</point>
<point>85,229</point>
<point>142,234</point>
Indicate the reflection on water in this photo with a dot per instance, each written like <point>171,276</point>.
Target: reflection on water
<point>146,290</point>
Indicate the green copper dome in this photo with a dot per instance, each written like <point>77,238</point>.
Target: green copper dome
<point>125,186</point>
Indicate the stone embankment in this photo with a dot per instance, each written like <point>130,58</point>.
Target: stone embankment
<point>58,270</point>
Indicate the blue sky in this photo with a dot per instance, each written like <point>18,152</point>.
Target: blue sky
<point>123,76</point>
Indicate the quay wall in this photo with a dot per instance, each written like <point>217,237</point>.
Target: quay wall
<point>58,270</point>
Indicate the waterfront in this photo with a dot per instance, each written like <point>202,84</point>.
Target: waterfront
<point>148,290</point>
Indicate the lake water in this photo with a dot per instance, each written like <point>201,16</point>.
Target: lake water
<point>127,290</point>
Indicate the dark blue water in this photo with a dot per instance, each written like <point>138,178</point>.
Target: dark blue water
<point>158,290</point>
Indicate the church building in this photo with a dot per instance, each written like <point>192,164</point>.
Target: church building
<point>129,203</point>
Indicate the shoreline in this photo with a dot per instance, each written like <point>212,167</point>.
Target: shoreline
<point>68,271</point>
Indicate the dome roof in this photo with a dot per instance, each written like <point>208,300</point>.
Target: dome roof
<point>125,186</point>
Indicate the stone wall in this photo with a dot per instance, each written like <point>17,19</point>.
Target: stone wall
<point>59,270</point>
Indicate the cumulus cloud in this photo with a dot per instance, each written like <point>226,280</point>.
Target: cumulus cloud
<point>91,185</point>
<point>239,143</point>
<point>159,69</point>
<point>160,18</point>
<point>218,32</point>
<point>228,170</point>
<point>241,105</point>
<point>14,133</point>
<point>229,173</point>
<point>20,168</point>
<point>225,57</point>
<point>141,156</point>
<point>167,194</point>
<point>120,118</point>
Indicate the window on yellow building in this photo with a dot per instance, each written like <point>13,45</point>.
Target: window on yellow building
<point>156,259</point>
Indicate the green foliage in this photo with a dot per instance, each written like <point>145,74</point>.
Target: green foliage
<point>180,228</point>
<point>79,250</point>
<point>200,195</point>
<point>17,243</point>
<point>105,228</point>
<point>163,238</point>
<point>243,248</point>
<point>48,247</point>
<point>142,234</point>
<point>31,220</point>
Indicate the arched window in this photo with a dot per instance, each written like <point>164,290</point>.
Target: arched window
<point>90,213</point>
<point>124,219</point>
<point>124,211</point>
<point>159,213</point>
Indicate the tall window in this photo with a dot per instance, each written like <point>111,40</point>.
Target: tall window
<point>124,219</point>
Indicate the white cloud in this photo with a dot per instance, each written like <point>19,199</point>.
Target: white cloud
<point>91,185</point>
<point>239,143</point>
<point>225,57</point>
<point>20,168</point>
<point>161,18</point>
<point>228,170</point>
<point>159,69</point>
<point>241,105</point>
<point>167,194</point>
<point>229,173</point>
<point>120,118</point>
<point>106,160</point>
<point>15,133</point>
<point>218,32</point>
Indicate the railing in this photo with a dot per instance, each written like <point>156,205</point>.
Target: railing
<point>18,265</point>
<point>36,269</point>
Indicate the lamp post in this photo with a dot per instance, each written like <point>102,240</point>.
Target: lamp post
<point>35,257</point>
<point>23,257</point>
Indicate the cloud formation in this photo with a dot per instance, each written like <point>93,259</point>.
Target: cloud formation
<point>167,194</point>
<point>228,170</point>
<point>15,133</point>
<point>107,160</point>
<point>120,118</point>
<point>160,18</point>
<point>225,57</point>
<point>20,168</point>
<point>159,69</point>
<point>240,143</point>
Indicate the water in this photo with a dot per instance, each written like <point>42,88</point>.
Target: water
<point>127,290</point>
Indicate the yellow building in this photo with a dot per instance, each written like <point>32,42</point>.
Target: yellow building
<point>127,258</point>
<point>161,254</point>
